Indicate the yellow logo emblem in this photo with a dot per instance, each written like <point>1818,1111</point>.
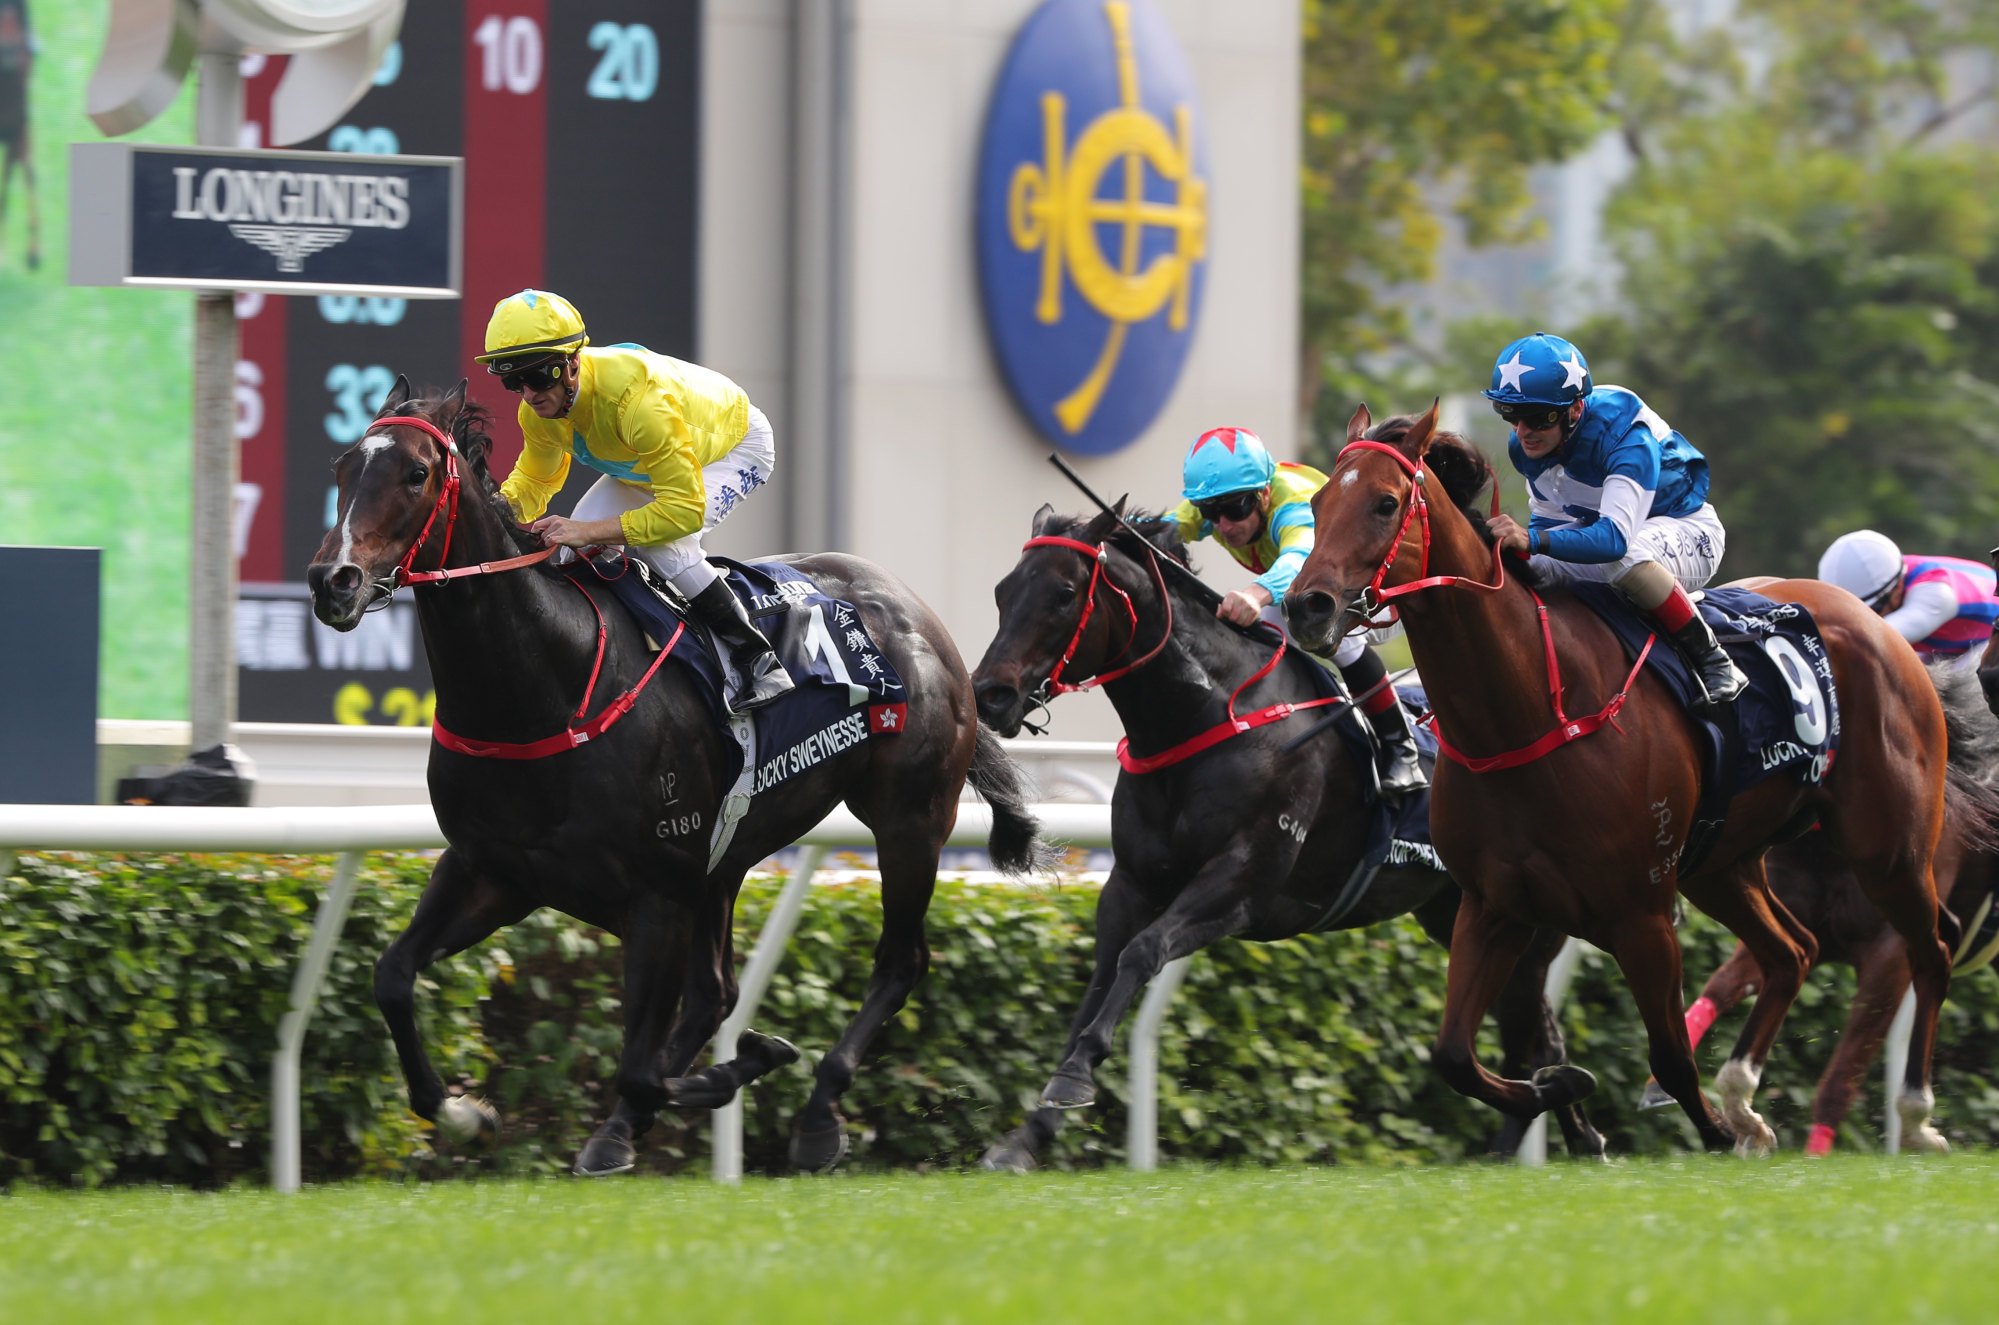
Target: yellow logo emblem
<point>1055,207</point>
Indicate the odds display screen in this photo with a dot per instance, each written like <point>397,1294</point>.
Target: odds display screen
<point>578,124</point>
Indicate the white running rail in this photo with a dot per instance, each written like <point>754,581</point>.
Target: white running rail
<point>352,832</point>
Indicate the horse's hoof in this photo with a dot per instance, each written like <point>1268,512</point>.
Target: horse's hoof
<point>604,1156</point>
<point>467,1120</point>
<point>1065,1091</point>
<point>1654,1096</point>
<point>1757,1142</point>
<point>821,1150</point>
<point>1562,1084</point>
<point>770,1052</point>
<point>1008,1156</point>
<point>704,1090</point>
<point>1924,1140</point>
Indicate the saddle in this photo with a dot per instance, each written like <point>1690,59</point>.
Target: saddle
<point>1786,722</point>
<point>846,692</point>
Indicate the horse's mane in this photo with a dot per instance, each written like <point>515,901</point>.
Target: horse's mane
<point>1162,530</point>
<point>1464,473</point>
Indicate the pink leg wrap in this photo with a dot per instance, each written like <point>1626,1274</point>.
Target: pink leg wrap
<point>1701,1016</point>
<point>1819,1142</point>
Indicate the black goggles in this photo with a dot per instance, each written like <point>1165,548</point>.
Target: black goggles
<point>1531,417</point>
<point>1228,506</point>
<point>538,377</point>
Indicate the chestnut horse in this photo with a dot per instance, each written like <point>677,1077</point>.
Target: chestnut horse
<point>613,826</point>
<point>1585,836</point>
<point>1820,889</point>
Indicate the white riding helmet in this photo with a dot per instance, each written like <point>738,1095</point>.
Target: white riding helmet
<point>1864,563</point>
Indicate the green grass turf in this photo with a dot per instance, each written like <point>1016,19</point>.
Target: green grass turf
<point>1853,1239</point>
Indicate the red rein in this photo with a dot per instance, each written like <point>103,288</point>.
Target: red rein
<point>573,735</point>
<point>1566,729</point>
<point>1187,749</point>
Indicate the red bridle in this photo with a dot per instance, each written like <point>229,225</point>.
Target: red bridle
<point>1233,726</point>
<point>1099,553</point>
<point>447,503</point>
<point>579,731</point>
<point>1566,729</point>
<point>1374,597</point>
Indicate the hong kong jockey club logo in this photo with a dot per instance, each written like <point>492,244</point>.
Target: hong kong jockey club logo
<point>1093,219</point>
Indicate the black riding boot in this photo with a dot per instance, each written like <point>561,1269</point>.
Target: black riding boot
<point>762,676</point>
<point>1720,679</point>
<point>1401,770</point>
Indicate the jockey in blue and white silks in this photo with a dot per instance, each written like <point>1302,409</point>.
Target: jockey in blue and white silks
<point>1615,495</point>
<point>1261,512</point>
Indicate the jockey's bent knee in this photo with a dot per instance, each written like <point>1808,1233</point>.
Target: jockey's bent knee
<point>1647,584</point>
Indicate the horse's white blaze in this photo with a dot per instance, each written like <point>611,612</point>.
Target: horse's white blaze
<point>371,446</point>
<point>1346,479</point>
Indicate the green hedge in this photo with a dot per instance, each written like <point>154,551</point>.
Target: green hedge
<point>140,997</point>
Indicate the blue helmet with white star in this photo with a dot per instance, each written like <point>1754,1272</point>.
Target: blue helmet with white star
<point>1539,370</point>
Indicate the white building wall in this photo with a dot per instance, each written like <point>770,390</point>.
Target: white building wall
<point>942,473</point>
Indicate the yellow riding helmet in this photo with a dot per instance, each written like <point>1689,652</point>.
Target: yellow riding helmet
<point>531,326</point>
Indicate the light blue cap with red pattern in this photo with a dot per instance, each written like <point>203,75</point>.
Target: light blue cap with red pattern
<point>1225,460</point>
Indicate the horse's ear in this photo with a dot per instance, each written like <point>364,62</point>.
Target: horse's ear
<point>1117,507</point>
<point>1359,423</point>
<point>399,396</point>
<point>1042,517</point>
<point>1417,440</point>
<point>456,400</point>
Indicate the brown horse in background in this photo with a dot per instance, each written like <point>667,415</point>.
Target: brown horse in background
<point>1587,838</point>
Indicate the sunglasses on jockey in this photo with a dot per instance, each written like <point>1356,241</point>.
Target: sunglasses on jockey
<point>536,377</point>
<point>1229,506</point>
<point>1534,418</point>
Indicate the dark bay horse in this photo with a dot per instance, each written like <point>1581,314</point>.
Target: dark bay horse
<point>1820,889</point>
<point>1586,839</point>
<point>615,831</point>
<point>1245,839</point>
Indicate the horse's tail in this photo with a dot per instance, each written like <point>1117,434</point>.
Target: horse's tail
<point>1015,844</point>
<point>1971,773</point>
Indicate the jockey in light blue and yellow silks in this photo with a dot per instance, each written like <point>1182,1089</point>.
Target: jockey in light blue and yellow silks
<point>1261,512</point>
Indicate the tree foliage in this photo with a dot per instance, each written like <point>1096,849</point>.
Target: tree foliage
<point>1415,113</point>
<point>1809,278</point>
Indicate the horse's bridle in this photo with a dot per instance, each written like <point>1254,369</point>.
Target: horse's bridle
<point>447,505</point>
<point>1099,554</point>
<point>1374,598</point>
<point>1566,729</point>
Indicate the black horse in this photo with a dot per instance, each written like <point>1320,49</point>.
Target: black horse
<point>1248,838</point>
<point>615,831</point>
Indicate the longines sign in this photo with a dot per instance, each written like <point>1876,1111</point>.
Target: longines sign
<point>292,222</point>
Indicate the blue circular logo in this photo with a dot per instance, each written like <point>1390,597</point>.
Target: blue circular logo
<point>1093,219</point>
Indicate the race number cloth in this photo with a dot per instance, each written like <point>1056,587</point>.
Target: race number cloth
<point>846,692</point>
<point>1787,721</point>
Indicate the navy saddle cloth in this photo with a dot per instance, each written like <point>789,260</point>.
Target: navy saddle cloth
<point>1397,835</point>
<point>1787,721</point>
<point>847,689</point>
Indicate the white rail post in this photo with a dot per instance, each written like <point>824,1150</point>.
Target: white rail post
<point>326,926</point>
<point>757,971</point>
<point>1533,1150</point>
<point>1142,1126</point>
<point>1895,1064</point>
